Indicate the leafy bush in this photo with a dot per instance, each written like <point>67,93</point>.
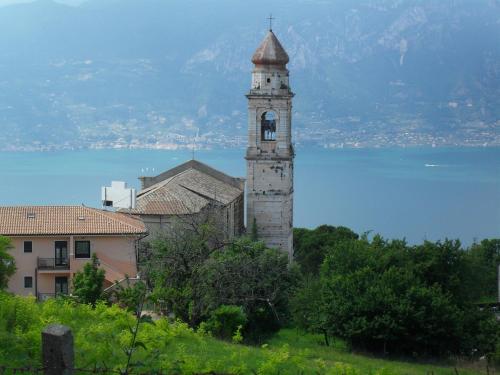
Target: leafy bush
<point>7,264</point>
<point>249,275</point>
<point>484,257</point>
<point>311,246</point>
<point>195,277</point>
<point>225,321</point>
<point>388,297</point>
<point>305,306</point>
<point>172,266</point>
<point>88,283</point>
<point>102,333</point>
<point>129,296</point>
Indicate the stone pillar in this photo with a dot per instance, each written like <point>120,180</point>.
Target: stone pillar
<point>57,350</point>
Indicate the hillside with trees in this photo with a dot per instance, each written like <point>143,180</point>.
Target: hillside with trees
<point>390,298</point>
<point>207,305</point>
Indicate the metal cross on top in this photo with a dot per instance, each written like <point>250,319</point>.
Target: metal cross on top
<point>271,18</point>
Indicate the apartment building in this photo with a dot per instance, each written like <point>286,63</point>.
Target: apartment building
<point>51,243</point>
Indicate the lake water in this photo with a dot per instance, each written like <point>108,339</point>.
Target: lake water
<point>418,193</point>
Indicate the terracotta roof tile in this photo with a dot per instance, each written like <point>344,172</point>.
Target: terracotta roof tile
<point>187,192</point>
<point>57,220</point>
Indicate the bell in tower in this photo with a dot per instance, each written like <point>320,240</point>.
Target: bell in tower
<point>270,153</point>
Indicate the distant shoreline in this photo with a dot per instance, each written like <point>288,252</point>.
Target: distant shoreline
<point>388,190</point>
<point>184,148</point>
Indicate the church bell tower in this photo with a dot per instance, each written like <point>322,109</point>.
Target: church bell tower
<point>270,152</point>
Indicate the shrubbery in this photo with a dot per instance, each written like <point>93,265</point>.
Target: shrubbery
<point>484,258</point>
<point>380,296</point>
<point>130,295</point>
<point>102,333</point>
<point>377,295</point>
<point>226,321</point>
<point>7,265</point>
<point>193,277</point>
<point>249,275</point>
<point>88,283</point>
<point>310,246</point>
<point>388,297</point>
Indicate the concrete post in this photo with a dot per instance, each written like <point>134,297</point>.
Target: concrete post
<point>57,350</point>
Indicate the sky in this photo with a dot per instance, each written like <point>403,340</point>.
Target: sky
<point>67,2</point>
<point>8,2</point>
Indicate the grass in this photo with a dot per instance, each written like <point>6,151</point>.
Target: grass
<point>337,353</point>
<point>102,334</point>
<point>293,352</point>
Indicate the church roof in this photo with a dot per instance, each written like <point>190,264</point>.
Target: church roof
<point>270,52</point>
<point>187,189</point>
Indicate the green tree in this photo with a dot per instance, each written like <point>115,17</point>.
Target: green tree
<point>129,296</point>
<point>310,246</point>
<point>250,275</point>
<point>442,263</point>
<point>173,268</point>
<point>88,283</point>
<point>225,321</point>
<point>306,307</point>
<point>192,273</point>
<point>7,264</point>
<point>388,297</point>
<point>485,257</point>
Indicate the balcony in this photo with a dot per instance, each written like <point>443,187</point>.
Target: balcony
<point>45,296</point>
<point>53,264</point>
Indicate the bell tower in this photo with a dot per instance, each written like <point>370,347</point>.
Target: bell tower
<point>270,152</point>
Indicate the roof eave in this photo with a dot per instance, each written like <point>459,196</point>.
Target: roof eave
<point>73,234</point>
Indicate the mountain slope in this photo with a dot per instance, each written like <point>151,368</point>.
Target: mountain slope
<point>151,73</point>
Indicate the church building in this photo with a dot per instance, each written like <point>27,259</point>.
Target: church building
<point>270,154</point>
<point>194,189</point>
<point>191,192</point>
<point>52,243</point>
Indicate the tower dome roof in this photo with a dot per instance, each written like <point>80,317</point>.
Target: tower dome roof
<point>270,52</point>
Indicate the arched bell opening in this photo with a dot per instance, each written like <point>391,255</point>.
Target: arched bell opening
<point>268,126</point>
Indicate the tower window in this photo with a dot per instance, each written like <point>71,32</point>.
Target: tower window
<point>268,126</point>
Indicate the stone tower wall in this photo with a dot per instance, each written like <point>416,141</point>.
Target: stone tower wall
<point>270,201</point>
<point>270,162</point>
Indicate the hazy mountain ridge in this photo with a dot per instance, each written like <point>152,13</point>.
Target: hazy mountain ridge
<point>151,74</point>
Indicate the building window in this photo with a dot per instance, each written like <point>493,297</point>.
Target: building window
<point>82,249</point>
<point>61,285</point>
<point>268,126</point>
<point>28,282</point>
<point>28,246</point>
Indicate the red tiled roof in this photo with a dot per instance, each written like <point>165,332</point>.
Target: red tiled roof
<point>69,220</point>
<point>187,189</point>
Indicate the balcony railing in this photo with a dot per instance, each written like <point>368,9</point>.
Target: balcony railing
<point>53,264</point>
<point>45,296</point>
